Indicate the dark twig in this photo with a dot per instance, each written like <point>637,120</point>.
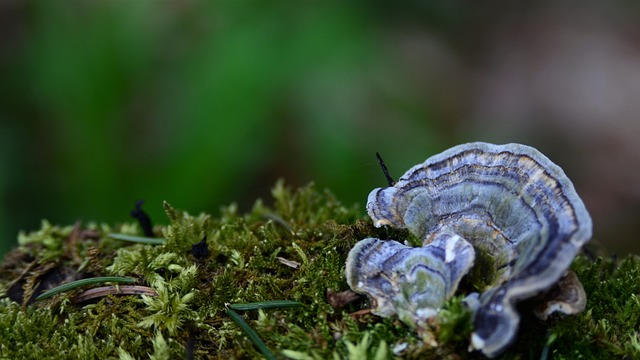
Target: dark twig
<point>200,250</point>
<point>143,219</point>
<point>385,170</point>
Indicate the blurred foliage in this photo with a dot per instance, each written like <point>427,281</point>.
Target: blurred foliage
<point>202,103</point>
<point>205,103</point>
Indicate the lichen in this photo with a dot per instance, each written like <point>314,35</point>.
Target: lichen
<point>294,249</point>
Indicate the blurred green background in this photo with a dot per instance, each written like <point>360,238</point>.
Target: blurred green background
<point>203,103</point>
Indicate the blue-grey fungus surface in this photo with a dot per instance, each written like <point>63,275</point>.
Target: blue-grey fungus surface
<point>508,201</point>
<point>413,282</point>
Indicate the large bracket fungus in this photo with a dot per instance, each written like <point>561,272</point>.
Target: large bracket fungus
<point>508,202</point>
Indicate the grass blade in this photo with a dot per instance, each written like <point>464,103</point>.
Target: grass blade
<point>138,239</point>
<point>74,284</point>
<point>265,305</point>
<point>251,334</point>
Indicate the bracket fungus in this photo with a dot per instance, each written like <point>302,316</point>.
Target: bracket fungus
<point>509,203</point>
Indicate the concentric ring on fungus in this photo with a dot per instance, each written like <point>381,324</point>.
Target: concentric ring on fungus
<point>508,202</point>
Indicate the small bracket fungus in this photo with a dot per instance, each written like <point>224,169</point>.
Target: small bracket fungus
<point>414,282</point>
<point>509,201</point>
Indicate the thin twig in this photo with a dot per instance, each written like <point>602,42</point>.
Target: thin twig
<point>114,290</point>
<point>385,170</point>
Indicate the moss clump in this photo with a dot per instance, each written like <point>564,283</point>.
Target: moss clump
<point>610,326</point>
<point>293,250</point>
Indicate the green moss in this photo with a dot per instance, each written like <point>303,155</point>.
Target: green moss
<point>292,250</point>
<point>45,244</point>
<point>610,326</point>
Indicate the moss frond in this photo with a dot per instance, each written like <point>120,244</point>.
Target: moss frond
<point>168,311</point>
<point>47,243</point>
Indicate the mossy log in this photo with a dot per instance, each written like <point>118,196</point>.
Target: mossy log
<point>293,250</point>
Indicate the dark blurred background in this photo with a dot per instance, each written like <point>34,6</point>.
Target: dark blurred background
<point>203,103</point>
